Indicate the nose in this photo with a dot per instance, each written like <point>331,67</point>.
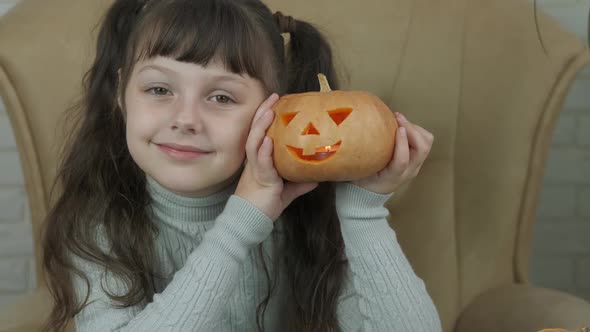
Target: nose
<point>188,119</point>
<point>310,130</point>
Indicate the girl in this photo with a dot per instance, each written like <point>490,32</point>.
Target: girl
<point>172,216</point>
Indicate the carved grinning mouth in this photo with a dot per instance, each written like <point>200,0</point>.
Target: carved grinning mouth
<point>321,154</point>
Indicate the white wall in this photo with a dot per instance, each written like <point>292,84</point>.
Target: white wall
<point>561,248</point>
<point>16,248</point>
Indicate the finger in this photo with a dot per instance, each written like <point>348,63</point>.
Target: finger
<point>405,122</point>
<point>418,137</point>
<point>427,135</point>
<point>293,190</point>
<point>265,166</point>
<point>419,149</point>
<point>420,143</point>
<point>401,153</point>
<point>257,134</point>
<point>416,140</point>
<point>416,171</point>
<point>266,105</point>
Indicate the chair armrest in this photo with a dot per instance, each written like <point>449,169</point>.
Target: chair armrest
<point>523,308</point>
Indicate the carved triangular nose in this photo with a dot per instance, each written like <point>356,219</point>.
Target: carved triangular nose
<point>310,130</point>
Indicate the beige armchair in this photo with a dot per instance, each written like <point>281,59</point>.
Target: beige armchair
<point>474,72</point>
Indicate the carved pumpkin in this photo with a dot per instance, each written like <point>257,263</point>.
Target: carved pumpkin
<point>331,135</point>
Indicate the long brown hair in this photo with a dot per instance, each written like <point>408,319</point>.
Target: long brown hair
<point>102,187</point>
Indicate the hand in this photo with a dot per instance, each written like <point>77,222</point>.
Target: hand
<point>260,184</point>
<point>412,146</point>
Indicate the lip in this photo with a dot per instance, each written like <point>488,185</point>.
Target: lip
<point>181,152</point>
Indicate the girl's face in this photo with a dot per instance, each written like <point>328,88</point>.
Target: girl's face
<point>187,125</point>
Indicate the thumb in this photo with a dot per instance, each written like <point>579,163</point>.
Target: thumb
<point>293,190</point>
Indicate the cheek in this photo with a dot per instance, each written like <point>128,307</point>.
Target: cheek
<point>142,123</point>
<point>235,137</point>
<point>136,131</point>
<point>231,136</point>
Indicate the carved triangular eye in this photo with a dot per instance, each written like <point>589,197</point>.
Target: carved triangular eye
<point>340,114</point>
<point>288,117</point>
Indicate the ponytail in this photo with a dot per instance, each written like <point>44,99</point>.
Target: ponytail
<point>309,54</point>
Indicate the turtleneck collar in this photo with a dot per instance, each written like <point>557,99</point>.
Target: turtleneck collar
<point>168,205</point>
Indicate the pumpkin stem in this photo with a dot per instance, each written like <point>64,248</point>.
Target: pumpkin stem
<point>324,85</point>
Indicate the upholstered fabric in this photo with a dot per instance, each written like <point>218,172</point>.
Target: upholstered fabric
<point>474,72</point>
<point>523,308</point>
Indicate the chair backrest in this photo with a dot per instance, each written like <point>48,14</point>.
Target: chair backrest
<point>476,73</point>
<point>45,47</point>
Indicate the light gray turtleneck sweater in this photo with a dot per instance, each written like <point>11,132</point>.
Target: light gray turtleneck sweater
<point>207,247</point>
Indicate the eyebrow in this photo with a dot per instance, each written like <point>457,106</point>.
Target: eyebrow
<point>220,78</point>
<point>158,68</point>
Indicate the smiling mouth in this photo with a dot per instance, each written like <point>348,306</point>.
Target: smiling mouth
<point>321,154</point>
<point>180,153</point>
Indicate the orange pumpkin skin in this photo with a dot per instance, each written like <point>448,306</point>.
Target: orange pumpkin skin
<point>331,135</point>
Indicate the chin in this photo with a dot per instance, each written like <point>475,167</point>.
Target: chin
<point>191,185</point>
<point>182,184</point>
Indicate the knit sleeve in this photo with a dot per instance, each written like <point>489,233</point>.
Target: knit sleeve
<point>195,298</point>
<point>383,293</point>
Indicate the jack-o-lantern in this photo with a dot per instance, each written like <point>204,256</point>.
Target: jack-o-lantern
<point>331,135</point>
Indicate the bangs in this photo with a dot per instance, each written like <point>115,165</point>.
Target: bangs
<point>200,31</point>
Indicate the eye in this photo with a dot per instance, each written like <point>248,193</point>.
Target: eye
<point>288,117</point>
<point>223,99</point>
<point>158,91</point>
<point>339,115</point>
